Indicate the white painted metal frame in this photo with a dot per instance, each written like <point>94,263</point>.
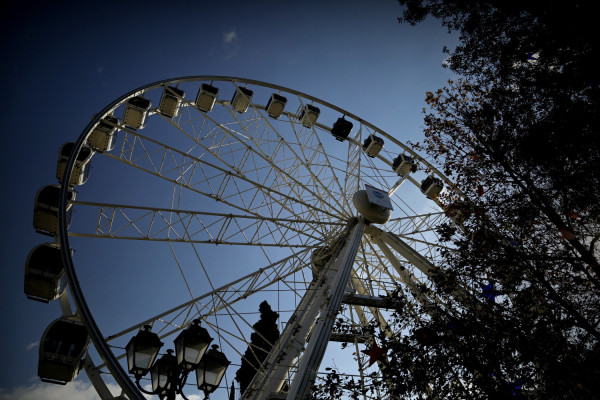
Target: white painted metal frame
<point>284,191</point>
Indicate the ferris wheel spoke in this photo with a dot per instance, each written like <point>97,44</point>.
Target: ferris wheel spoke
<point>414,283</point>
<point>307,159</point>
<point>231,338</point>
<point>352,172</point>
<point>228,140</point>
<point>140,155</point>
<point>374,311</point>
<point>228,294</point>
<point>402,274</point>
<point>173,225</point>
<point>413,224</point>
<point>312,152</point>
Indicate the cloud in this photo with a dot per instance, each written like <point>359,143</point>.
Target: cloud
<point>229,37</point>
<point>32,345</point>
<point>48,391</point>
<point>79,390</point>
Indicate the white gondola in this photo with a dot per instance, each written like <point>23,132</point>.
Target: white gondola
<point>207,97</point>
<point>81,168</point>
<point>276,105</point>
<point>45,211</point>
<point>62,350</point>
<point>309,115</point>
<point>404,164</point>
<point>136,112</point>
<point>45,278</point>
<point>170,101</point>
<point>373,145</point>
<point>341,129</point>
<point>241,99</point>
<point>432,186</point>
<point>102,137</point>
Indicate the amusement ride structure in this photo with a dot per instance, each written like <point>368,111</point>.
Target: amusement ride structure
<point>187,202</point>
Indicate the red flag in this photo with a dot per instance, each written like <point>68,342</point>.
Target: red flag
<point>480,190</point>
<point>375,353</point>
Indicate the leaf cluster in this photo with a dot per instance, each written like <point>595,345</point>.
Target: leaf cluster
<point>517,297</point>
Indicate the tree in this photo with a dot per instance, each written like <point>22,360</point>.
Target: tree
<point>518,136</point>
<point>262,339</point>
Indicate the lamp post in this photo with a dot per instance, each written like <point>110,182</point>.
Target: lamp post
<point>142,350</point>
<point>164,374</point>
<point>211,370</point>
<point>191,344</point>
<point>170,372</point>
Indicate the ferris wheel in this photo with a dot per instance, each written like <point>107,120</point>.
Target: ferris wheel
<point>191,201</point>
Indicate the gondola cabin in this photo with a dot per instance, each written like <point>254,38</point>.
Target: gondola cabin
<point>45,278</point>
<point>341,129</point>
<point>81,168</point>
<point>309,115</point>
<point>432,186</point>
<point>136,111</point>
<point>241,99</point>
<point>62,350</point>
<point>170,101</point>
<point>102,137</point>
<point>207,97</point>
<point>404,164</point>
<point>275,105</point>
<point>45,211</point>
<point>373,145</point>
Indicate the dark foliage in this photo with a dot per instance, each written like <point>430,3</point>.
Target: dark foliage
<point>518,136</point>
<point>262,339</point>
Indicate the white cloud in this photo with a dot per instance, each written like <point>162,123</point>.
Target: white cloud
<point>48,391</point>
<point>32,345</point>
<point>229,37</point>
<point>78,390</point>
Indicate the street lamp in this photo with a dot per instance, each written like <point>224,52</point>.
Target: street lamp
<point>142,350</point>
<point>211,370</point>
<point>170,372</point>
<point>191,344</point>
<point>164,375</point>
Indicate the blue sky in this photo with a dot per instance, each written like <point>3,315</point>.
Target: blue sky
<point>62,63</point>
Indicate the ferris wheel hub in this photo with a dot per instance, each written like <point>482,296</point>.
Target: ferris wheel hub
<point>373,212</point>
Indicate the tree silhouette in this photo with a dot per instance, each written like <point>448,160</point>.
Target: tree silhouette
<point>262,339</point>
<point>518,136</point>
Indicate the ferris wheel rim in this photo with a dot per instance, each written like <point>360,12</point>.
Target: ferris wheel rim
<point>97,338</point>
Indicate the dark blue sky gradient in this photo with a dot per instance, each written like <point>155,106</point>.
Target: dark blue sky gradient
<point>61,63</point>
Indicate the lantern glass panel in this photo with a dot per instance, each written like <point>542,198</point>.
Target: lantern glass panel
<point>162,371</point>
<point>144,357</point>
<point>140,356</point>
<point>191,345</point>
<point>193,354</point>
<point>209,376</point>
